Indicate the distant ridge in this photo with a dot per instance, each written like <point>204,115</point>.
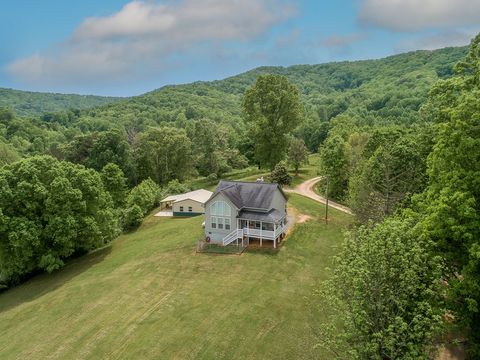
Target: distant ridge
<point>27,103</point>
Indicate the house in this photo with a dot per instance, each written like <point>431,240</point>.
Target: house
<point>246,212</point>
<point>189,204</point>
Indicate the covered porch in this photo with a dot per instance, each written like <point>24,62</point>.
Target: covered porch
<point>262,228</point>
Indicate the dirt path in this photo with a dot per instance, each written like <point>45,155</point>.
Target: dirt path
<point>306,189</point>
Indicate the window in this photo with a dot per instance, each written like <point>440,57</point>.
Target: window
<point>267,226</point>
<point>257,224</point>
<point>220,208</point>
<point>220,212</point>
<point>181,208</point>
<point>190,209</point>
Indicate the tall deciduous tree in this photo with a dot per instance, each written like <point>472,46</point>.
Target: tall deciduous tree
<point>383,296</point>
<point>164,154</point>
<point>393,173</point>
<point>451,203</point>
<point>7,154</point>
<point>273,109</point>
<point>115,183</point>
<point>297,153</point>
<point>334,164</point>
<point>210,144</point>
<point>96,150</point>
<point>48,211</point>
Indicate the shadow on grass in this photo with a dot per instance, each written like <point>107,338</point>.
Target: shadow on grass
<point>39,285</point>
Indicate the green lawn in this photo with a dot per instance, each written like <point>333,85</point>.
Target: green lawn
<point>149,295</point>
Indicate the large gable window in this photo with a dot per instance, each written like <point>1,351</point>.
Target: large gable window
<point>220,213</point>
<point>220,208</point>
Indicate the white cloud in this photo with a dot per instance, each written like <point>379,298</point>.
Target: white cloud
<point>438,40</point>
<point>144,36</point>
<point>412,15</point>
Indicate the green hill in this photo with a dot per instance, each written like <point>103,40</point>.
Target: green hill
<point>363,93</point>
<point>35,103</point>
<point>345,97</point>
<point>382,88</point>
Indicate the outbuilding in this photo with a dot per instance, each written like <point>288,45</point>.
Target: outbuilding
<point>188,204</point>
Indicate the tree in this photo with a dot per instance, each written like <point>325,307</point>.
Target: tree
<point>115,183</point>
<point>451,203</point>
<point>111,147</point>
<point>96,150</point>
<point>280,174</point>
<point>272,108</point>
<point>49,211</point>
<point>313,131</point>
<point>383,296</point>
<point>210,144</point>
<point>7,154</point>
<point>145,195</point>
<point>334,163</point>
<point>175,187</point>
<point>393,173</point>
<point>133,217</point>
<point>164,154</point>
<point>6,116</point>
<point>297,153</point>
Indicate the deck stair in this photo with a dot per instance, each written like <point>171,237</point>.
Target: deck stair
<point>234,235</point>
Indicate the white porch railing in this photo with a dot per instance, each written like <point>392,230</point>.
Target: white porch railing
<point>265,234</point>
<point>258,233</point>
<point>234,235</point>
<point>279,230</point>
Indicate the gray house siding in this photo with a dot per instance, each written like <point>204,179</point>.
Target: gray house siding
<point>217,235</point>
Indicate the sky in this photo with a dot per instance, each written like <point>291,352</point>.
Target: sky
<point>125,48</point>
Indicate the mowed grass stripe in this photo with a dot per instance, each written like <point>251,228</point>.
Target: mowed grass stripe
<point>150,296</point>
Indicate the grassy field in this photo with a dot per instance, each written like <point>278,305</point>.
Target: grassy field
<point>149,295</point>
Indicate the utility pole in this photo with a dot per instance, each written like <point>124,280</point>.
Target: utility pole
<point>326,203</point>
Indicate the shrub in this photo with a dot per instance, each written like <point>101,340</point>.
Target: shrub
<point>280,174</point>
<point>133,217</point>
<point>175,187</point>
<point>145,195</point>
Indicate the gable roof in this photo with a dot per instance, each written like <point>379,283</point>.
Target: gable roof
<point>200,196</point>
<point>253,195</point>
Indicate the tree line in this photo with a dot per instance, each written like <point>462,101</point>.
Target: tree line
<point>408,276</point>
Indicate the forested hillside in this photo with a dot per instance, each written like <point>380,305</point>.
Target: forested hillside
<point>388,90</point>
<point>36,103</point>
<point>397,140</point>
<point>342,95</point>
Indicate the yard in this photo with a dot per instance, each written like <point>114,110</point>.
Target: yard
<point>149,295</point>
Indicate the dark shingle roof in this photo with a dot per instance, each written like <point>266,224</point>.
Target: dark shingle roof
<point>255,195</point>
<point>270,216</point>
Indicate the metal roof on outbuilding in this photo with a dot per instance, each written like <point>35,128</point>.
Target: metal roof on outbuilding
<point>200,196</point>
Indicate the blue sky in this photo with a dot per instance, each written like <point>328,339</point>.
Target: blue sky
<point>114,47</point>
